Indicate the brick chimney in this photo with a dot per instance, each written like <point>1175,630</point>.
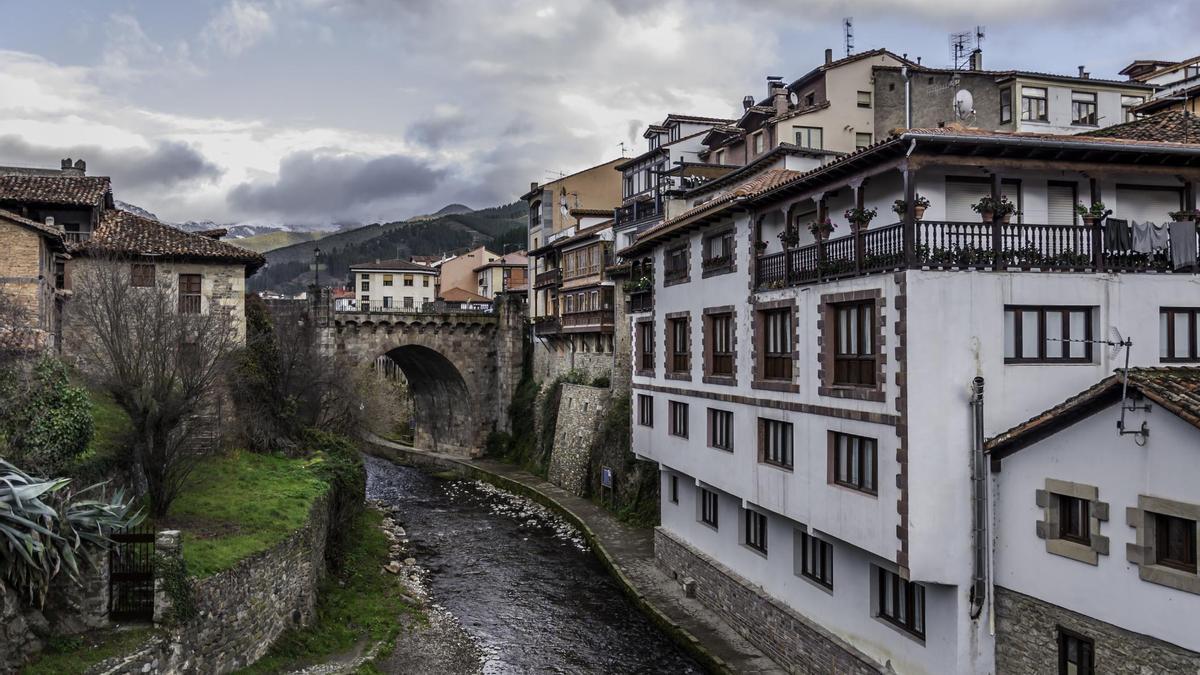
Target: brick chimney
<point>69,168</point>
<point>828,56</point>
<point>777,93</point>
<point>977,59</point>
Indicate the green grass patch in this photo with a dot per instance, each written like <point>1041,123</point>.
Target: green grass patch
<point>76,654</point>
<point>237,505</point>
<point>358,603</point>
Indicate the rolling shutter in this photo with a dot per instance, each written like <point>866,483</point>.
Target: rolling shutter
<point>1060,204</point>
<point>962,193</point>
<point>1142,204</point>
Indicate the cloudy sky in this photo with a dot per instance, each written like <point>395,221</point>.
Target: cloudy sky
<point>316,111</point>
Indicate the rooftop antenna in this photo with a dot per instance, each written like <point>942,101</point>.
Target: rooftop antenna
<point>1116,343</point>
<point>979,35</point>
<point>960,56</point>
<point>622,146</point>
<point>555,175</point>
<point>848,29</point>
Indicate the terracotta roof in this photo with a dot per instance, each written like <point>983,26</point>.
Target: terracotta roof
<point>516,259</point>
<point>462,295</point>
<point>127,233</point>
<point>53,232</point>
<point>1175,389</point>
<point>214,233</point>
<point>593,213</point>
<point>1171,126</point>
<point>398,265</point>
<point>697,119</point>
<point>73,190</point>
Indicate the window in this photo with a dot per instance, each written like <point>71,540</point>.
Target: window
<point>387,301</point>
<point>1005,105</point>
<point>387,280</point>
<point>1076,654</point>
<point>364,303</point>
<point>775,442</point>
<point>809,137</point>
<point>1177,334</point>
<point>1128,103</point>
<point>627,184</point>
<point>1043,334</point>
<point>708,508</point>
<point>720,157</point>
<point>720,340</point>
<point>1083,108</point>
<point>756,531</point>
<point>810,98</point>
<point>777,344</point>
<point>425,277</point>
<point>141,275</point>
<point>674,489</point>
<point>759,142</point>
<point>854,461</point>
<point>408,301</point>
<point>864,99</point>
<point>861,141</point>
<point>1033,104</point>
<point>854,340</point>
<point>718,250</point>
<point>189,293</point>
<point>675,264</point>
<point>1175,542</point>
<point>1074,519</point>
<point>678,414</point>
<point>720,429</point>
<point>816,559</point>
<point>1191,71</point>
<point>901,603</point>
<point>645,338</point>
<point>1061,198</point>
<point>677,334</point>
<point>645,410</point>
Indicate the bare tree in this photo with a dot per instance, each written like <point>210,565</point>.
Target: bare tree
<point>162,363</point>
<point>18,326</point>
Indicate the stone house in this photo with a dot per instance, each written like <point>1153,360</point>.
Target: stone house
<point>32,254</point>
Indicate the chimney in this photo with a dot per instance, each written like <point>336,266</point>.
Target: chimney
<point>66,164</point>
<point>977,59</point>
<point>81,167</point>
<point>49,221</point>
<point>533,186</point>
<point>828,56</point>
<point>72,169</point>
<point>777,93</point>
<point>1082,73</point>
<point>747,102</point>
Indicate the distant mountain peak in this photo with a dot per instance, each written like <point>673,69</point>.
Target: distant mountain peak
<point>451,209</point>
<point>134,209</point>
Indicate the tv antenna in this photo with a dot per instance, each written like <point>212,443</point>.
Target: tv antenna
<point>622,146</point>
<point>979,35</point>
<point>960,56</point>
<point>552,175</point>
<point>1116,343</point>
<point>848,30</point>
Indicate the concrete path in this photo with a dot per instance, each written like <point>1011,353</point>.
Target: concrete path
<point>628,551</point>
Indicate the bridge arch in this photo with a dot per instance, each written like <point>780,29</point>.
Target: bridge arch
<point>444,407</point>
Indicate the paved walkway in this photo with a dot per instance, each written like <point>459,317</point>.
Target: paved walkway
<point>629,551</point>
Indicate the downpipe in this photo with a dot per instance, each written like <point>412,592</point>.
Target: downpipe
<point>979,508</point>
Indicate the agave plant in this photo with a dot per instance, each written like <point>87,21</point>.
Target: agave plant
<point>44,526</point>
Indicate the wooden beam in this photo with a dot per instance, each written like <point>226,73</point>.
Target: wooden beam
<point>1093,168</point>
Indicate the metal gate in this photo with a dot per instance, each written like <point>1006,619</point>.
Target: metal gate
<point>131,574</point>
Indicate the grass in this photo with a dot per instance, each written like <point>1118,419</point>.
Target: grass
<point>239,504</point>
<point>111,423</point>
<point>358,603</point>
<point>76,654</point>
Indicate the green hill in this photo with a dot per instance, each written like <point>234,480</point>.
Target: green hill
<point>273,240</point>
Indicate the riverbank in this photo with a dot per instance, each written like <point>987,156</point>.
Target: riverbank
<point>627,551</point>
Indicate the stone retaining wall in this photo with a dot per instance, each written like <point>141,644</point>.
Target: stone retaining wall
<point>581,411</point>
<point>241,611</point>
<point>788,638</point>
<point>1027,641</point>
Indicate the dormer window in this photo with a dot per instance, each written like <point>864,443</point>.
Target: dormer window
<point>654,141</point>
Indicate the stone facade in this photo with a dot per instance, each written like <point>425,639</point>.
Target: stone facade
<point>794,642</point>
<point>580,410</point>
<point>27,279</point>
<point>17,638</point>
<point>1027,641</point>
<point>558,357</point>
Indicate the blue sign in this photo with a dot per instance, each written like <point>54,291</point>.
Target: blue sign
<point>606,477</point>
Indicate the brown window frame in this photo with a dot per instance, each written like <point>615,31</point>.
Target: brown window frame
<point>142,275</point>
<point>720,362</point>
<point>1167,324</point>
<point>865,453</point>
<point>720,429</point>
<point>1074,519</point>
<point>853,367</point>
<point>772,432</point>
<point>901,602</point>
<point>645,410</point>
<point>673,480</point>
<point>675,264</point>
<point>777,365</point>
<point>677,419</point>
<point>710,513</point>
<point>1006,103</point>
<point>1041,311</point>
<point>645,337</point>
<point>1167,552</point>
<point>755,535</point>
<point>816,560</point>
<point>723,260</point>
<point>191,298</point>
<point>1085,650</point>
<point>679,335</point>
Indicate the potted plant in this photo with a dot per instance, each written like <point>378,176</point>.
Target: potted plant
<point>790,237</point>
<point>1093,213</point>
<point>1185,215</point>
<point>919,206</point>
<point>759,247</point>
<point>860,218</point>
<point>821,229</point>
<point>989,208</point>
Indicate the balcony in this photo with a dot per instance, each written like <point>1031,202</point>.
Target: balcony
<point>955,246</point>
<point>546,325</point>
<point>548,278</point>
<point>77,237</point>
<point>636,212</point>
<point>593,321</point>
<point>641,300</point>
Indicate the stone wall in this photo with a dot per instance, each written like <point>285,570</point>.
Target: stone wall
<point>581,410</point>
<point>786,637</point>
<point>555,357</point>
<point>240,612</point>
<point>1027,641</point>
<point>17,638</point>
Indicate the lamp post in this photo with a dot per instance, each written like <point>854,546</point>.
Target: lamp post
<point>317,268</point>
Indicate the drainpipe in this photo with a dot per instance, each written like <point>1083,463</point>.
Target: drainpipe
<point>978,503</point>
<point>907,96</point>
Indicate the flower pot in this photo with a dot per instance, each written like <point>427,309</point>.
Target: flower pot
<point>1005,218</point>
<point>986,216</point>
<point>919,212</point>
<point>1089,220</point>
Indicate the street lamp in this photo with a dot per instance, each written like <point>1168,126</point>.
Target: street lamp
<point>317,268</point>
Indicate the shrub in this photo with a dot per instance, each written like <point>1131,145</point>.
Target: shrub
<point>497,444</point>
<point>601,381</point>
<point>339,463</point>
<point>49,420</point>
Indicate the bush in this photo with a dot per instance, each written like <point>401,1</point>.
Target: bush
<point>49,421</point>
<point>340,465</point>
<point>636,482</point>
<point>497,444</point>
<point>602,382</point>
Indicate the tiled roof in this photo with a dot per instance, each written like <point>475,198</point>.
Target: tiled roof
<point>127,233</point>
<point>73,190</point>
<point>697,119</point>
<point>1175,389</point>
<point>52,231</point>
<point>397,265</point>
<point>1172,126</point>
<point>462,295</point>
<point>593,213</point>
<point>767,180</point>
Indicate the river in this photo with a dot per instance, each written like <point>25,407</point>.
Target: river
<point>521,582</point>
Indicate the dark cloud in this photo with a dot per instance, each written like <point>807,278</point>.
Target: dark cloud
<point>313,184</point>
<point>432,132</point>
<point>167,164</point>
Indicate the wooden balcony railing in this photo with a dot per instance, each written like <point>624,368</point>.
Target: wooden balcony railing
<point>680,363</point>
<point>548,278</point>
<point>546,326</point>
<point>593,320</point>
<point>955,245</point>
<point>641,301</point>
<point>637,211</point>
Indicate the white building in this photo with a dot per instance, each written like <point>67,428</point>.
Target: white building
<point>809,407</point>
<point>393,285</point>
<point>1095,542</point>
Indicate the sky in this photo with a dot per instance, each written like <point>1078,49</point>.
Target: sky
<point>310,112</point>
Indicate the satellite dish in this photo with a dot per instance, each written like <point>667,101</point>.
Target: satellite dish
<point>964,104</point>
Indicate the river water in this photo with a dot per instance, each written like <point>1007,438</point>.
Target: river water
<point>521,582</point>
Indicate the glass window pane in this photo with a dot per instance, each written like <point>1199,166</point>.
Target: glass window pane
<point>1010,334</point>
<point>1163,351</point>
<point>1029,335</point>
<point>1054,334</point>
<point>1183,337</point>
<point>1079,331</point>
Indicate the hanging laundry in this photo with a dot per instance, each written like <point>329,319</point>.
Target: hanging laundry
<point>1183,244</point>
<point>1141,236</point>
<point>1158,236</point>
<point>1116,235</point>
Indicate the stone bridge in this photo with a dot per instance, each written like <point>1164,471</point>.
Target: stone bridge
<point>462,366</point>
